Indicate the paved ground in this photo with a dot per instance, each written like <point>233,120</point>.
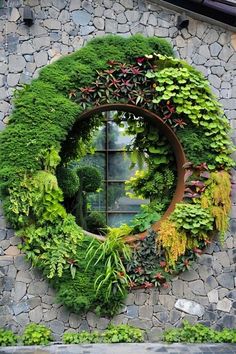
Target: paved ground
<point>144,348</point>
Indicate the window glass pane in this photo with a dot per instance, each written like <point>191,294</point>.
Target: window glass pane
<point>99,138</point>
<point>97,201</point>
<point>115,220</point>
<point>119,201</point>
<point>98,160</point>
<point>119,166</point>
<point>116,136</point>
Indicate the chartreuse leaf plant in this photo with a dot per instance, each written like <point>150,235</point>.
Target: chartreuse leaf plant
<point>7,338</point>
<point>113,334</point>
<point>43,188</point>
<point>199,333</point>
<point>36,334</point>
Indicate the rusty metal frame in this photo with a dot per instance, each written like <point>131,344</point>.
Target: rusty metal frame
<point>167,132</point>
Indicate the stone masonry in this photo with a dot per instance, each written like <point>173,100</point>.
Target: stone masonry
<point>204,294</point>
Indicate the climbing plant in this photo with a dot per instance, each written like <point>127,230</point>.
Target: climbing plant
<point>37,177</point>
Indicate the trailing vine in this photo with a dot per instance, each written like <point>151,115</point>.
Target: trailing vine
<point>44,187</point>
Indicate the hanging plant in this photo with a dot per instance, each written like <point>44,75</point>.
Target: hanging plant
<point>48,128</point>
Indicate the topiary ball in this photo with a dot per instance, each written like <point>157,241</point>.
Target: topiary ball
<point>68,181</point>
<point>90,178</point>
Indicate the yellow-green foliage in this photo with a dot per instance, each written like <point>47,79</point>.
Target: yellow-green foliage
<point>37,197</point>
<point>172,240</point>
<point>217,199</point>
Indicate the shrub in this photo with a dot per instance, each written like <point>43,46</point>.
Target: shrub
<point>114,334</point>
<point>199,333</point>
<point>68,181</point>
<point>35,334</point>
<point>7,338</point>
<point>123,334</point>
<point>82,337</point>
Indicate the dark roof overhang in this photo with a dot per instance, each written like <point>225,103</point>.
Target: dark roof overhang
<point>215,11</point>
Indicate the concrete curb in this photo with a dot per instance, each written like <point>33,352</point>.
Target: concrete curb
<point>124,348</point>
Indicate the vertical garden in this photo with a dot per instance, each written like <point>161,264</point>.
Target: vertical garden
<point>59,193</point>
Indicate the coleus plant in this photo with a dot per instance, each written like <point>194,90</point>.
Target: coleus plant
<point>127,83</point>
<point>195,178</point>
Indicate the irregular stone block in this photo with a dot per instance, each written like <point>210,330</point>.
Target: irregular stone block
<point>224,305</point>
<point>142,324</point>
<point>16,63</point>
<point>167,301</point>
<point>20,307</point>
<point>189,275</point>
<point>50,315</point>
<point>226,280</point>
<point>190,307</point>
<point>57,326</point>
<point>74,5</point>
<point>102,323</point>
<point>5,261</point>
<point>132,311</point>
<point>38,288</point>
<point>36,314</point>
<point>21,263</point>
<point>81,17</point>
<point>197,287</point>
<point>213,296</point>
<point>75,320</point>
<point>19,291</point>
<point>146,312</point>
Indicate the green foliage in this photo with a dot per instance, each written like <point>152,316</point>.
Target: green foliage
<point>111,252</point>
<point>82,337</point>
<point>36,197</point>
<point>90,178</point>
<point>199,333</point>
<point>35,334</point>
<point>113,334</point>
<point>156,184</point>
<point>196,145</point>
<point>190,94</point>
<point>193,219</point>
<point>52,247</point>
<point>45,123</point>
<point>96,222</point>
<point>123,334</point>
<point>149,215</point>
<point>79,294</point>
<point>68,181</point>
<point>147,265</point>
<point>7,338</point>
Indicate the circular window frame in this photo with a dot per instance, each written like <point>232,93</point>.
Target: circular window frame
<point>167,132</point>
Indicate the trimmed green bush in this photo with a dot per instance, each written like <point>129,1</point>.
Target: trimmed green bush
<point>199,333</point>
<point>113,334</point>
<point>36,334</point>
<point>7,338</point>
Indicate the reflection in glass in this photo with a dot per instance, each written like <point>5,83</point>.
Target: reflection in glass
<point>97,201</point>
<point>119,166</point>
<point>117,139</point>
<point>115,220</point>
<point>98,160</point>
<point>118,201</point>
<point>99,138</point>
<point>113,162</point>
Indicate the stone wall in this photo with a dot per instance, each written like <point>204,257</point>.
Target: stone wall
<point>61,27</point>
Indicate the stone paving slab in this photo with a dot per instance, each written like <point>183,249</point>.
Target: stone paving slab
<point>144,348</point>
